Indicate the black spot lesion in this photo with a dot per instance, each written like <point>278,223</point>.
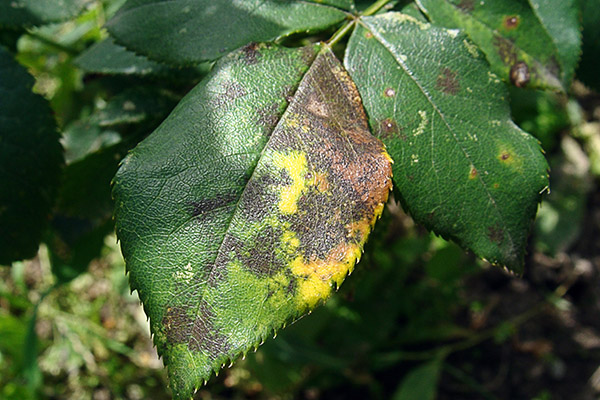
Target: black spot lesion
<point>204,206</point>
<point>231,91</point>
<point>447,81</point>
<point>506,50</point>
<point>204,337</point>
<point>269,116</point>
<point>496,234</point>
<point>251,53</point>
<point>260,197</point>
<point>466,6</point>
<point>177,325</point>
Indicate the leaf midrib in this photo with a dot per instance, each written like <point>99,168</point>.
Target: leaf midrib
<point>253,167</point>
<point>426,94</point>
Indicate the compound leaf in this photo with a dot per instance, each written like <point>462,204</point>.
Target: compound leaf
<point>517,45</point>
<point>248,205</point>
<point>461,166</point>
<point>190,31</point>
<point>17,13</point>
<point>30,162</point>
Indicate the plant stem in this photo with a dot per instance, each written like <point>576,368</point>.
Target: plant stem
<point>343,31</point>
<point>340,33</point>
<point>373,8</point>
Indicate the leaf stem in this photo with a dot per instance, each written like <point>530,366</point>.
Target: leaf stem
<point>340,33</point>
<point>373,8</point>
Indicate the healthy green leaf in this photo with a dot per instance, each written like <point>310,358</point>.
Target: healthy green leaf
<point>518,47</point>
<point>107,57</point>
<point>248,205</point>
<point>184,32</point>
<point>17,13</point>
<point>561,20</point>
<point>590,59</point>
<point>421,382</point>
<point>461,166</point>
<point>30,162</point>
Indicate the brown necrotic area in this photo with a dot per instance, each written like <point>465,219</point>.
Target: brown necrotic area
<point>347,170</point>
<point>447,81</point>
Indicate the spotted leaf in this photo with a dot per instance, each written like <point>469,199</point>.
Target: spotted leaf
<point>462,167</point>
<point>189,31</point>
<point>518,45</point>
<point>248,205</point>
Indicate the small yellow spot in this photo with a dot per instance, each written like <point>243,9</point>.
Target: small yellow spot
<point>473,173</point>
<point>368,35</point>
<point>496,185</point>
<point>295,164</point>
<point>423,123</point>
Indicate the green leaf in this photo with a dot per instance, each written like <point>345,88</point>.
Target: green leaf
<point>248,205</point>
<point>107,57</point>
<point>190,31</point>
<point>461,166</point>
<point>561,20</point>
<point>30,162</point>
<point>17,13</point>
<point>517,45</point>
<point>135,105</point>
<point>590,59</point>
<point>421,382</point>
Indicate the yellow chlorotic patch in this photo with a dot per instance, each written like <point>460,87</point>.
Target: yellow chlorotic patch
<point>294,163</point>
<point>292,241</point>
<point>315,278</point>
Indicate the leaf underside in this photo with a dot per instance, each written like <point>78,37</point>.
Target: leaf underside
<point>461,166</point>
<point>183,32</point>
<point>248,205</point>
<point>30,162</point>
<point>517,45</point>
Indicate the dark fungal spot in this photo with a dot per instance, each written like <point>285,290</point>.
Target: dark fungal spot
<point>519,74</point>
<point>261,255</point>
<point>511,22</point>
<point>260,197</point>
<point>447,81</point>
<point>496,234</point>
<point>204,206</point>
<point>504,156</point>
<point>506,50</point>
<point>269,116</point>
<point>251,53</point>
<point>177,325</point>
<point>232,90</point>
<point>466,5</point>
<point>204,337</point>
<point>388,128</point>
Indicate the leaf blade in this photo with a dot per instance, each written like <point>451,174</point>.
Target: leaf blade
<point>260,236</point>
<point>189,31</point>
<point>30,162</point>
<point>452,167</point>
<point>18,13</point>
<point>516,44</point>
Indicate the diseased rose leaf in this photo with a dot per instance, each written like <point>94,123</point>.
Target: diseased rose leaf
<point>183,32</point>
<point>248,205</point>
<point>518,47</point>
<point>461,166</point>
<point>30,162</point>
<point>18,13</point>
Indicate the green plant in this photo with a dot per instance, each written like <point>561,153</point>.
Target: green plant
<point>253,198</point>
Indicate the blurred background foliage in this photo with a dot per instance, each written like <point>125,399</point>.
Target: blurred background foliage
<point>419,319</point>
